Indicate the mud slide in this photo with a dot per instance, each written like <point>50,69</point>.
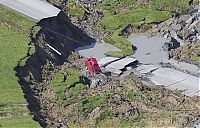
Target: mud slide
<point>59,33</point>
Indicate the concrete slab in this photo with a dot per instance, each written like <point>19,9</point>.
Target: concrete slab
<point>184,66</point>
<point>144,69</point>
<point>116,66</point>
<point>96,50</point>
<point>35,9</point>
<point>107,60</point>
<point>173,79</point>
<point>120,64</point>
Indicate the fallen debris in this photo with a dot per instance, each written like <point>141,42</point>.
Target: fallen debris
<point>116,67</point>
<point>184,29</point>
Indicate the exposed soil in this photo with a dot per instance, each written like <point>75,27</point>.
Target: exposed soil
<point>60,33</point>
<point>186,53</point>
<point>125,100</point>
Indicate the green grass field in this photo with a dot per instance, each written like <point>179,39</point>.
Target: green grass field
<point>14,30</point>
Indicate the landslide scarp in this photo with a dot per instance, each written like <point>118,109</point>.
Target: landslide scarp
<point>62,35</point>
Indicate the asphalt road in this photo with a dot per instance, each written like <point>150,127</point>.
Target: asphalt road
<point>150,51</point>
<point>96,50</point>
<point>172,79</point>
<point>35,9</point>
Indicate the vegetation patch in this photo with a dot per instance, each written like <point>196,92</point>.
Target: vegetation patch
<point>104,115</point>
<point>79,88</point>
<point>74,9</point>
<point>136,17</point>
<point>110,6</point>
<point>14,40</point>
<point>18,122</point>
<point>197,57</point>
<point>15,22</point>
<point>121,43</point>
<point>63,81</point>
<point>115,23</point>
<point>170,5</point>
<point>92,102</point>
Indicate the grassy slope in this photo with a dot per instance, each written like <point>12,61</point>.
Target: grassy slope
<point>135,13</point>
<point>13,48</point>
<point>197,58</point>
<point>14,44</point>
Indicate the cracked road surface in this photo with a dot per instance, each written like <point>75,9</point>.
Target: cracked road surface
<point>150,51</point>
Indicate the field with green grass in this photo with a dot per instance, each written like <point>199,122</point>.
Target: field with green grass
<point>14,40</point>
<point>119,14</point>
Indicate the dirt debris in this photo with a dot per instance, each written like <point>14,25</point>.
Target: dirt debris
<point>121,100</point>
<point>128,98</point>
<point>186,52</point>
<point>182,31</point>
<point>125,101</point>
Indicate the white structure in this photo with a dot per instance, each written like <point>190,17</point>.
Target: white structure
<point>35,9</point>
